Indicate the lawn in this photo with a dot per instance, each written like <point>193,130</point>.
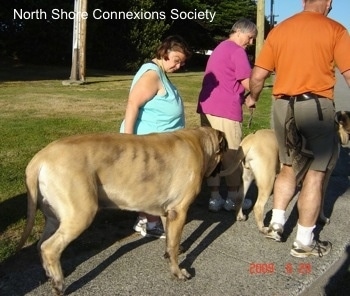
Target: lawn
<point>36,108</point>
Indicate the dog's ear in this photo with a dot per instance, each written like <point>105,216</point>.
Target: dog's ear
<point>343,135</point>
<point>223,145</point>
<point>343,120</point>
<point>346,120</point>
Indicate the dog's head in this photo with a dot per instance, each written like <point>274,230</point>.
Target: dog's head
<point>220,146</point>
<point>343,120</point>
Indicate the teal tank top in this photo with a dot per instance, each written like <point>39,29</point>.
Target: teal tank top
<point>162,113</point>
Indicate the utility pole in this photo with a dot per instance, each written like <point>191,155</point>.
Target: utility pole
<point>260,23</point>
<point>272,17</point>
<point>78,69</point>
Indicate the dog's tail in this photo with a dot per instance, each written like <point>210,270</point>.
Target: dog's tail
<point>240,156</point>
<point>242,152</point>
<point>32,184</point>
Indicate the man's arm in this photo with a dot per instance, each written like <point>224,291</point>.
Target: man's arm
<point>257,80</point>
<point>346,76</point>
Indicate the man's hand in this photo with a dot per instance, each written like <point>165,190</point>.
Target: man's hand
<point>249,102</point>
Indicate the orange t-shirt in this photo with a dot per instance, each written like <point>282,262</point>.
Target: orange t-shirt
<point>303,51</point>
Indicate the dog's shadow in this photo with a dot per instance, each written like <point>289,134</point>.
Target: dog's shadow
<point>197,211</point>
<point>223,220</point>
<point>108,227</point>
<point>93,273</point>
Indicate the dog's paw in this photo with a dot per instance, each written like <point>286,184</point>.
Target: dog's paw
<point>323,219</point>
<point>181,274</point>
<point>186,274</point>
<point>241,217</point>
<point>182,250</point>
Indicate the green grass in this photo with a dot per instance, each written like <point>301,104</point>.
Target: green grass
<point>37,109</point>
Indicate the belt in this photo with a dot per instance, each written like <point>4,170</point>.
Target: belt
<point>305,97</point>
<point>302,97</point>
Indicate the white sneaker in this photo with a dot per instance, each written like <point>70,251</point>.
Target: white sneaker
<point>157,231</point>
<point>140,224</point>
<point>317,248</point>
<point>275,231</point>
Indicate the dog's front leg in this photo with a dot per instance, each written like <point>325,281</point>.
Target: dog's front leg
<point>174,228</point>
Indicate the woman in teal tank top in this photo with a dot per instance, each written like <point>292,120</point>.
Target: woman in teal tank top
<point>154,105</point>
<point>164,111</point>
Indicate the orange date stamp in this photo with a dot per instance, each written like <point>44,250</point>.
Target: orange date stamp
<point>256,268</point>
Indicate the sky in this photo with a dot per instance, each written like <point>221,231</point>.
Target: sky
<point>282,9</point>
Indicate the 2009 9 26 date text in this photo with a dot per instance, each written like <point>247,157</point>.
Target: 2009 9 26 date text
<point>269,268</point>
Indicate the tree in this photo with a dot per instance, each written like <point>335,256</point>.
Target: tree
<point>124,43</point>
<point>35,40</point>
<point>228,12</point>
<point>114,41</point>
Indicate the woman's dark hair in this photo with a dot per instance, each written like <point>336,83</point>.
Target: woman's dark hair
<point>173,43</point>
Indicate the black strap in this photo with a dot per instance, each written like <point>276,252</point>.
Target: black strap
<point>319,110</point>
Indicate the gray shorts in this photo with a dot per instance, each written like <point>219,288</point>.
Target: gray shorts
<point>320,135</point>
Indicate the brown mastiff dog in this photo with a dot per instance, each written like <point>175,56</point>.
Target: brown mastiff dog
<point>160,174</point>
<point>261,163</point>
<point>258,155</point>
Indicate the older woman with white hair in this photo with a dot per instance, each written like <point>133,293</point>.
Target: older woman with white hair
<point>225,82</point>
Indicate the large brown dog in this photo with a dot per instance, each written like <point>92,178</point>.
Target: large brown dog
<point>160,174</point>
<point>258,155</point>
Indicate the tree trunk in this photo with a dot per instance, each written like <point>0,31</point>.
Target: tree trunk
<point>260,23</point>
<point>79,42</point>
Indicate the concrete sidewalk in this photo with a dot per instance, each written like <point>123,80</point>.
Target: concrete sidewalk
<point>225,257</point>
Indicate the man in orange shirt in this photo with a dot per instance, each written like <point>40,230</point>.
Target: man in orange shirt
<point>303,51</point>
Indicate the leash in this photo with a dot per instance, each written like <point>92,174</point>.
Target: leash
<point>251,111</point>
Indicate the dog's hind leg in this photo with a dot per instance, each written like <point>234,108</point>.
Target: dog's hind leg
<point>247,179</point>
<point>51,249</point>
<point>263,195</point>
<point>264,183</point>
<point>51,225</point>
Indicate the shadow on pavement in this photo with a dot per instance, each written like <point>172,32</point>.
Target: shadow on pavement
<point>339,283</point>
